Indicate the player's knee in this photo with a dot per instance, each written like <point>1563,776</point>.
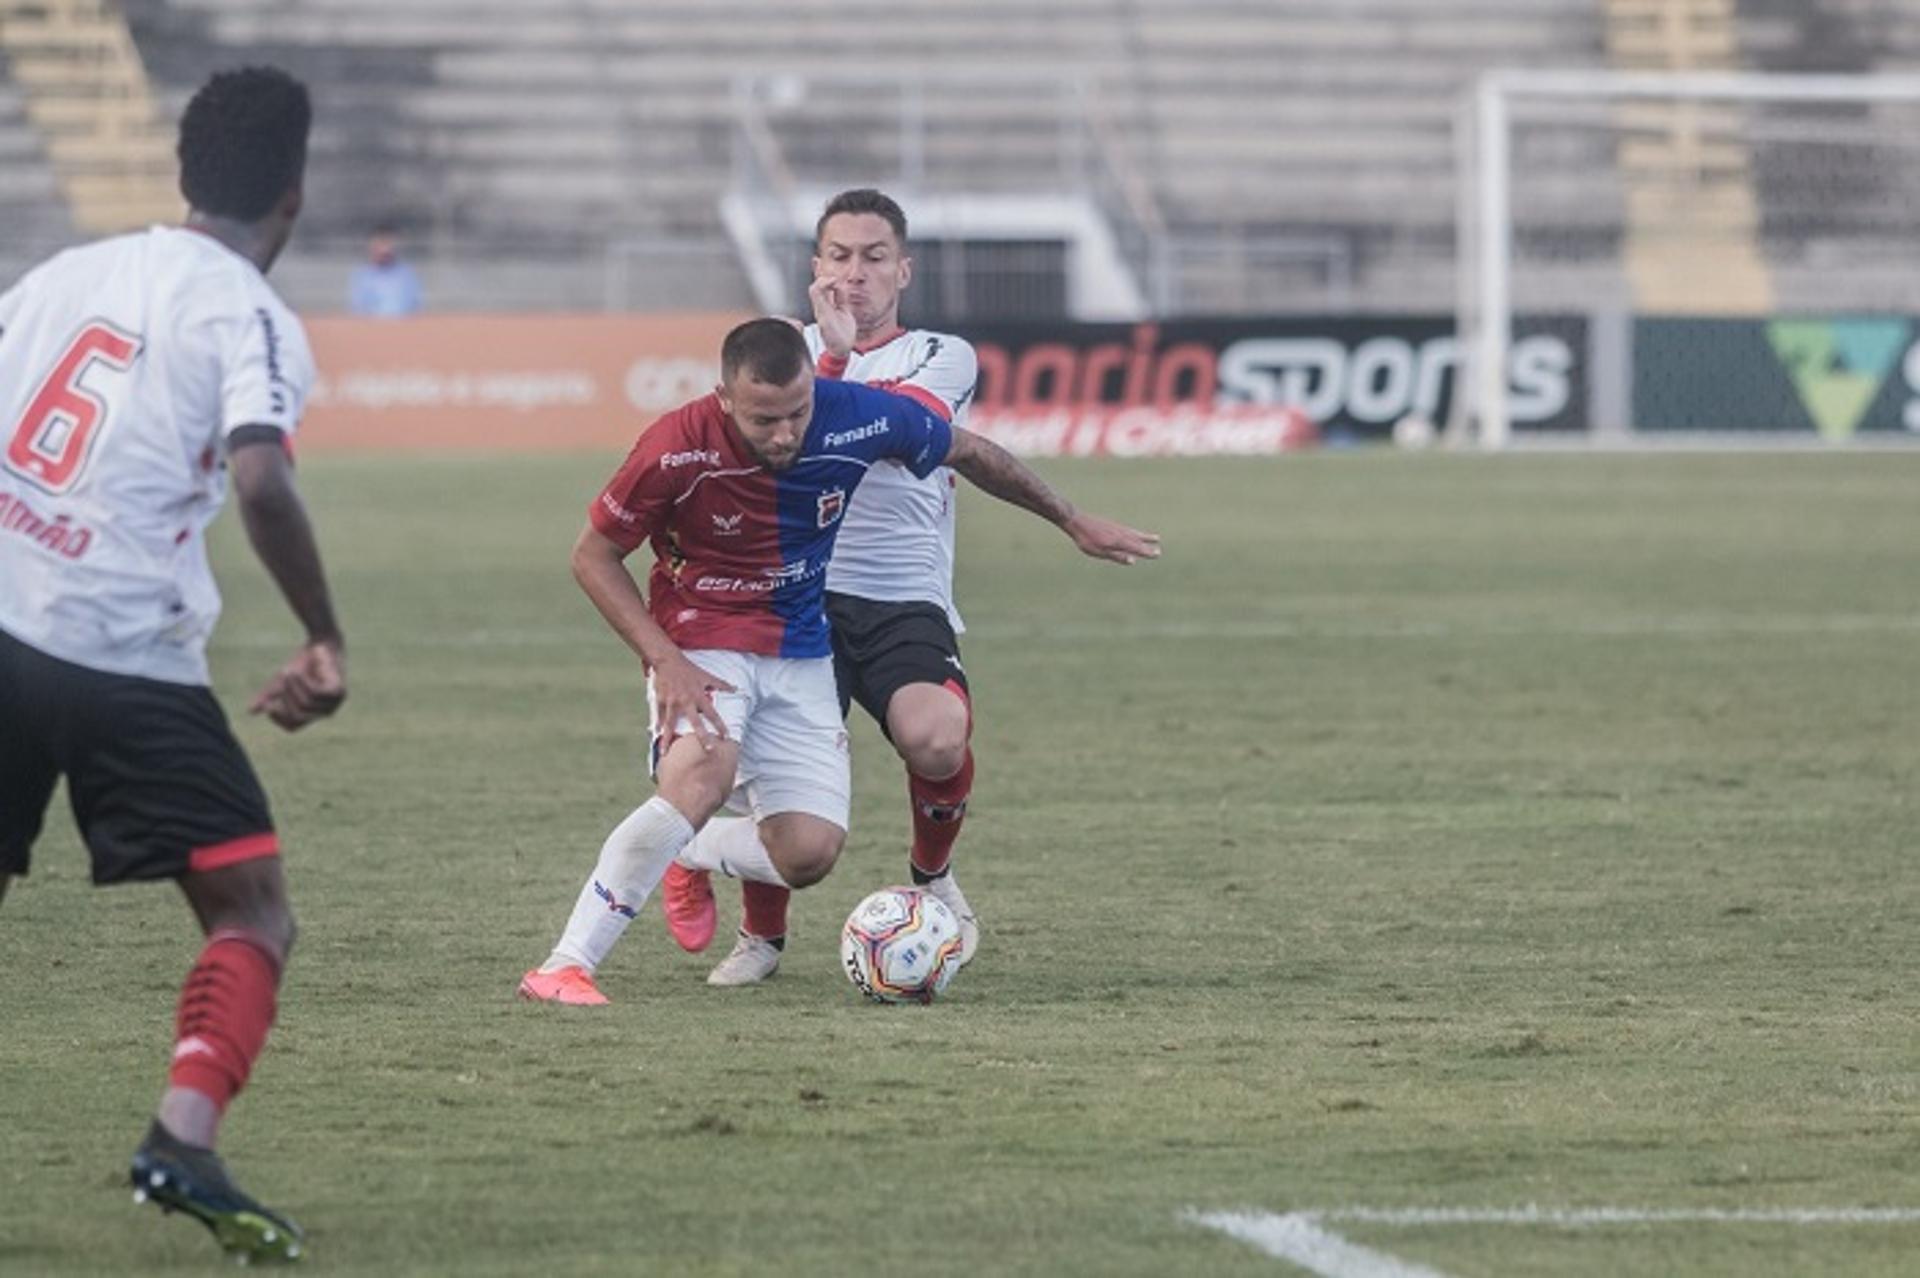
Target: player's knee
<point>806,855</point>
<point>933,746</point>
<point>250,897</point>
<point>270,922</point>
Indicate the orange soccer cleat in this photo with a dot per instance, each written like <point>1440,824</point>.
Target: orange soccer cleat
<point>687,897</point>
<point>570,985</point>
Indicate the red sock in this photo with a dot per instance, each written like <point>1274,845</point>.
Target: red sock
<point>763,909</point>
<point>938,809</point>
<point>226,1008</point>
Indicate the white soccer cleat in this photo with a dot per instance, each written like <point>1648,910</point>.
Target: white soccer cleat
<point>948,893</point>
<point>752,961</point>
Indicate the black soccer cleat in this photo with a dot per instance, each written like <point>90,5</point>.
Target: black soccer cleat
<point>182,1177</point>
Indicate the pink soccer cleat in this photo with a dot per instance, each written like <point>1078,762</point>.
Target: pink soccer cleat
<point>570,985</point>
<point>687,897</point>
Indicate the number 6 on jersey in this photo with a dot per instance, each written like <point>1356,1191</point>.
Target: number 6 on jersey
<point>51,443</point>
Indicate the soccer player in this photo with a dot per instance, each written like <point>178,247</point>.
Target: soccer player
<point>741,495</point>
<point>889,589</point>
<point>136,374</point>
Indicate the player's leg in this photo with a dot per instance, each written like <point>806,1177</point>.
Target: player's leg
<point>230,998</point>
<point>226,1009</point>
<point>912,681</point>
<point>931,726</point>
<point>28,766</point>
<point>692,784</point>
<point>688,893</point>
<point>161,789</point>
<point>797,775</point>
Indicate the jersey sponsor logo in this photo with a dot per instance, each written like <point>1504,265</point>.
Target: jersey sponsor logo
<point>619,512</point>
<point>831,504</point>
<point>770,579</point>
<point>277,384</point>
<point>727,525</point>
<point>688,457</point>
<point>836,438</point>
<point>60,534</point>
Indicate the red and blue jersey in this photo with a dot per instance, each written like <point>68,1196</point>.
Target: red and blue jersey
<point>740,551</point>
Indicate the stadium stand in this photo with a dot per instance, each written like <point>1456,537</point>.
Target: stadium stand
<point>1291,154</point>
<point>32,206</point>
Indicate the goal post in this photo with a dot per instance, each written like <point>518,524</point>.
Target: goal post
<point>1739,253</point>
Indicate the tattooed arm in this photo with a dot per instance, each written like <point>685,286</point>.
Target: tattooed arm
<point>998,473</point>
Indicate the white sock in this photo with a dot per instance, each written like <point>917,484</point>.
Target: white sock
<point>632,862</point>
<point>732,846</point>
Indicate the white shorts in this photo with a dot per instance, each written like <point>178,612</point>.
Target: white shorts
<point>785,717</point>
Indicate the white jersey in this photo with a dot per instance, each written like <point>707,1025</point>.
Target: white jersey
<point>124,364</point>
<point>896,539</point>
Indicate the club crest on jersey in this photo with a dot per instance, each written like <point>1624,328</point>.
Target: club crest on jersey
<point>832,502</point>
<point>727,525</point>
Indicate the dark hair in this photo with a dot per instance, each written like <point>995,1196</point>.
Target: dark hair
<point>767,350</point>
<point>243,142</point>
<point>864,200</point>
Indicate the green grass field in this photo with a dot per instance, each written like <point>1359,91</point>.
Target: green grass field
<point>1422,831</point>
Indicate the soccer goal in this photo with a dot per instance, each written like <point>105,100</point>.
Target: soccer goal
<point>1690,257</point>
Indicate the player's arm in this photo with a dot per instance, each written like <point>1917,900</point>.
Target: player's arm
<point>631,508</point>
<point>998,473</point>
<point>681,690</point>
<point>313,683</point>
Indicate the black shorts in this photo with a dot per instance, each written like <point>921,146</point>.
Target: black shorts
<point>158,784</point>
<point>880,648</point>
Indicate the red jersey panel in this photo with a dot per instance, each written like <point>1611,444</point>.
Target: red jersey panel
<point>741,552</point>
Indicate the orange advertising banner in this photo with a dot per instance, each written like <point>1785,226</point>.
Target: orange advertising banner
<point>508,382</point>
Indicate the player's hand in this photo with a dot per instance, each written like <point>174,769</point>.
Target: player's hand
<point>310,686</point>
<point>683,691</point>
<point>1107,539</point>
<point>833,315</point>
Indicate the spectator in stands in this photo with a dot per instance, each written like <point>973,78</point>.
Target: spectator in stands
<point>384,285</point>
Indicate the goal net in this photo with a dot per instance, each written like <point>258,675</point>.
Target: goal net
<point>1690,256</point>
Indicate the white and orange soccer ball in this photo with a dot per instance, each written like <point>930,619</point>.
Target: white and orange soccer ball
<point>899,945</point>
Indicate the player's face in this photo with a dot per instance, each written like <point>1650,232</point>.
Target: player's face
<point>858,251</point>
<point>772,419</point>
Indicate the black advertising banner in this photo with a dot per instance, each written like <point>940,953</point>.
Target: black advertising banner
<point>1838,375</point>
<point>1250,386</point>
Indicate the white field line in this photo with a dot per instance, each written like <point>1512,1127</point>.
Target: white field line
<point>1302,1238</point>
<point>1679,627</point>
<point>1584,1217</point>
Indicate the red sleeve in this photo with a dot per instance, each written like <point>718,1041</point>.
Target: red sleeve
<point>635,503</point>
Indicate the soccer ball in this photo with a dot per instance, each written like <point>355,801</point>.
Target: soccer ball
<point>899,944</point>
